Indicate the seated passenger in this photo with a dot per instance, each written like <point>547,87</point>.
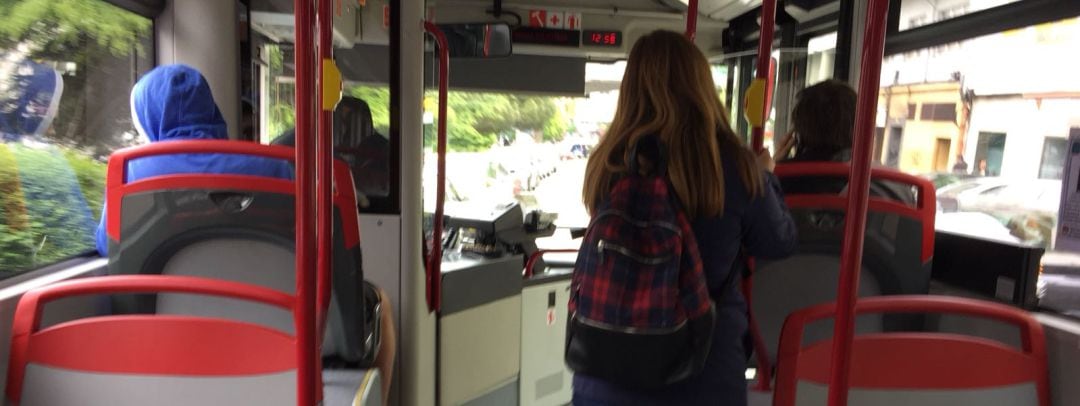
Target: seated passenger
<point>357,143</point>
<point>824,119</point>
<point>174,103</point>
<point>368,159</point>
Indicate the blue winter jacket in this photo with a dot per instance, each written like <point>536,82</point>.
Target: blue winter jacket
<point>174,102</point>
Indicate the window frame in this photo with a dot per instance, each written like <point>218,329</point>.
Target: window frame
<point>1006,17</point>
<point>147,8</point>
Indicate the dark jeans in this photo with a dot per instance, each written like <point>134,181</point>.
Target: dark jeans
<point>581,401</point>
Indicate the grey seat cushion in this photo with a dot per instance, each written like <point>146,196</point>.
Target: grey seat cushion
<point>50,386</point>
<point>348,387</point>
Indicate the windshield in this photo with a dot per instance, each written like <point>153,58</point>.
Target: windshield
<point>528,149</point>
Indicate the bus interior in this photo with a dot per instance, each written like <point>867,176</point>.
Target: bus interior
<point>465,127</point>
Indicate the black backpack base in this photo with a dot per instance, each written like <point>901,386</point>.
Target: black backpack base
<point>634,359</point>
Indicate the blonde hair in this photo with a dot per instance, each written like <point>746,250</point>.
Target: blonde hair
<point>668,91</point>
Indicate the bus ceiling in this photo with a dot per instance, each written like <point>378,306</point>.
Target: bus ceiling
<point>360,35</point>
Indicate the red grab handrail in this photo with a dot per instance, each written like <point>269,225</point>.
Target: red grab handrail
<point>434,260</point>
<point>117,185</point>
<point>858,195</point>
<point>757,141</point>
<point>304,311</point>
<point>116,177</point>
<point>691,19</point>
<point>1031,332</point>
<point>925,206</point>
<point>535,257</point>
<point>324,170</point>
<point>764,68</point>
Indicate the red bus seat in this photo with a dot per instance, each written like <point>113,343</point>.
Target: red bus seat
<point>897,254</point>
<point>918,368</point>
<point>158,359</point>
<point>239,228</point>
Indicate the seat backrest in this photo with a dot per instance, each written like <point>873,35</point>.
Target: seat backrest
<point>150,359</point>
<point>232,227</point>
<point>918,368</point>
<point>897,253</point>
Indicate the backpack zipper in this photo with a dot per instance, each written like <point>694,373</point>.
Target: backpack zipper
<point>603,245</point>
<point>638,223</point>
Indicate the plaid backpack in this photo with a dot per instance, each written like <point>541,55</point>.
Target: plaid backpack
<point>640,313</point>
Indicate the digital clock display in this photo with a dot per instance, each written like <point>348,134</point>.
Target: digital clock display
<point>603,38</point>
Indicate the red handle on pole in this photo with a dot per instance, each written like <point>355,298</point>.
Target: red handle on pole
<point>858,195</point>
<point>304,311</point>
<point>434,260</point>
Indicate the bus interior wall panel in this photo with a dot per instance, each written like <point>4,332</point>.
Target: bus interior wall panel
<point>517,73</point>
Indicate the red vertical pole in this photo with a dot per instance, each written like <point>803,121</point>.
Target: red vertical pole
<point>434,260</point>
<point>764,62</point>
<point>325,151</point>
<point>757,142</point>
<point>858,193</point>
<point>691,19</point>
<point>304,313</point>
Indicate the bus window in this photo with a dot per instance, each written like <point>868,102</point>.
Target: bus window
<point>505,148</point>
<point>65,79</point>
<point>991,127</point>
<point>362,136</point>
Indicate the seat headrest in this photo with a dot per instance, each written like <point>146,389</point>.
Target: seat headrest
<point>352,123</point>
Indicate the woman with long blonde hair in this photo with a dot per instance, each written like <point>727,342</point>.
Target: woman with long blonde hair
<point>730,196</point>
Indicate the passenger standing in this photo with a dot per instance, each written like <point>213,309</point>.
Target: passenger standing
<point>961,166</point>
<point>982,169</point>
<point>730,196</point>
<point>174,103</point>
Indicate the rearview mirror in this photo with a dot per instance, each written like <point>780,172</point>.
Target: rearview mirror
<point>484,40</point>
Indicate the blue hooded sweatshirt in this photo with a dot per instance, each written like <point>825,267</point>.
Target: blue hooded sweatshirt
<point>174,102</point>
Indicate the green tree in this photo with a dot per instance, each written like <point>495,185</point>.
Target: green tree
<point>87,33</point>
<point>476,120</point>
<point>556,127</point>
<point>61,27</point>
<point>534,112</point>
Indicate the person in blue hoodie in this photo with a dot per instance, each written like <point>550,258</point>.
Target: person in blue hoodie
<point>174,103</point>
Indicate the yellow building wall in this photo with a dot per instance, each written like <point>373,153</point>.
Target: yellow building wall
<point>919,147</point>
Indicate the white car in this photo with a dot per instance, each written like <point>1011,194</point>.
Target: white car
<point>979,225</point>
<point>1001,196</point>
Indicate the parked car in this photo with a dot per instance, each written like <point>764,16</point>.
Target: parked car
<point>943,179</point>
<point>1001,197</point>
<point>979,225</point>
